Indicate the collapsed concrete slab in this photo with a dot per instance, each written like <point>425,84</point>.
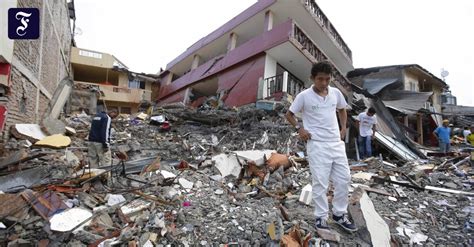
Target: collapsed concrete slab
<point>186,184</point>
<point>306,196</point>
<point>54,141</point>
<point>257,156</point>
<point>329,235</point>
<point>25,179</point>
<point>60,97</point>
<point>363,175</point>
<point>133,208</point>
<point>30,132</point>
<point>227,165</point>
<point>53,126</point>
<point>372,228</point>
<point>69,219</point>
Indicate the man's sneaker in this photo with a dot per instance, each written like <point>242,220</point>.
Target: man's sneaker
<point>344,222</point>
<point>322,223</point>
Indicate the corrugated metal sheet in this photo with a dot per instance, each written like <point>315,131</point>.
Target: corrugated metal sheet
<point>374,86</point>
<point>396,147</point>
<point>407,102</point>
<point>458,110</point>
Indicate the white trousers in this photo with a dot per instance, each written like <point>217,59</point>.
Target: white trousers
<point>328,160</point>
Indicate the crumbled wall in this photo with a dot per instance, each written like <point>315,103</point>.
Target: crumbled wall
<point>38,65</point>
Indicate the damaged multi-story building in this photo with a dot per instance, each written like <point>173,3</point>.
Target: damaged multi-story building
<point>100,76</point>
<point>267,52</point>
<point>30,70</point>
<point>264,52</point>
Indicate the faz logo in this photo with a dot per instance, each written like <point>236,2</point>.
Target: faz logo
<point>23,23</point>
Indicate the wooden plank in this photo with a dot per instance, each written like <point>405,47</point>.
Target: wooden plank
<point>379,179</point>
<point>378,191</point>
<point>284,212</point>
<point>14,206</point>
<point>459,192</point>
<point>46,204</point>
<point>397,188</point>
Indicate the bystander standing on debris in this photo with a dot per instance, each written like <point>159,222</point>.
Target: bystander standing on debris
<point>470,137</point>
<point>326,152</point>
<point>365,123</point>
<point>470,141</point>
<point>99,138</point>
<point>443,134</point>
<point>465,133</point>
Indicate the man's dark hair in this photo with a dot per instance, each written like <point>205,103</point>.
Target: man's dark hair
<point>100,108</point>
<point>371,110</point>
<point>321,67</point>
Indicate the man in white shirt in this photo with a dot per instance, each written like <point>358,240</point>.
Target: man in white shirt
<point>365,123</point>
<point>465,133</point>
<point>326,151</point>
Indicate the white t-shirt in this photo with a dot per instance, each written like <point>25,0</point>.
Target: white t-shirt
<point>319,113</point>
<point>465,133</point>
<point>365,124</point>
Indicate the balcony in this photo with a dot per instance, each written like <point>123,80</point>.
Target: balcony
<point>302,41</point>
<point>324,22</point>
<point>283,83</point>
<point>121,94</point>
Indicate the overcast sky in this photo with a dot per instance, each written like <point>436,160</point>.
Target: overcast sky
<point>147,34</point>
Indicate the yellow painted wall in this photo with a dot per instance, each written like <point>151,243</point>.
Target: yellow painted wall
<point>123,80</point>
<point>111,104</point>
<point>148,85</point>
<point>105,60</point>
<point>122,94</point>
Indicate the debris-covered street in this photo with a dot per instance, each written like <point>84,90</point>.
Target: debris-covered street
<point>218,177</point>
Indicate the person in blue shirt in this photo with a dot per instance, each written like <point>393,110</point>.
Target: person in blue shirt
<point>99,138</point>
<point>443,134</point>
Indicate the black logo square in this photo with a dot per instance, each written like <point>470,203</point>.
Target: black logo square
<point>23,23</point>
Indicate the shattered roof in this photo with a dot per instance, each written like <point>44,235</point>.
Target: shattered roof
<point>407,102</point>
<point>374,86</point>
<point>458,110</point>
<point>365,71</point>
<point>464,121</point>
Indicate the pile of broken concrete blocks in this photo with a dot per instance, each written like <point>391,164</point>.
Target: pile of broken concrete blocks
<point>218,178</point>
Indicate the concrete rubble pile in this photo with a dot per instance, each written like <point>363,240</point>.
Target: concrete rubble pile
<point>208,177</point>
